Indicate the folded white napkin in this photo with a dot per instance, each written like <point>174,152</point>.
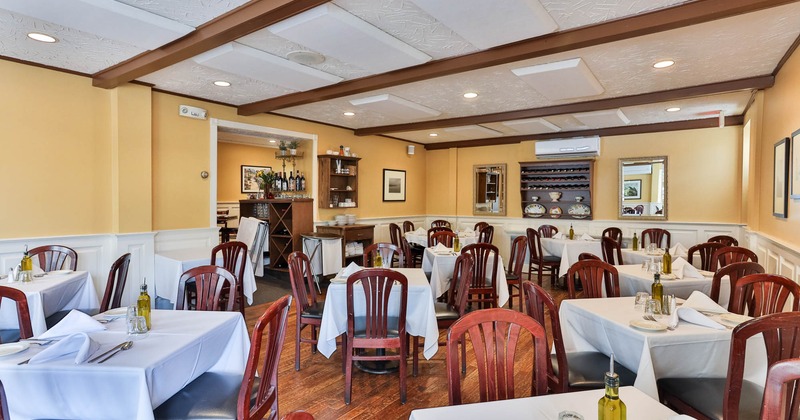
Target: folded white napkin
<point>682,269</point>
<point>440,248</point>
<point>350,269</point>
<point>75,322</point>
<point>558,235</point>
<point>679,250</point>
<point>701,302</point>
<point>586,237</point>
<point>691,315</point>
<point>467,234</point>
<point>79,344</point>
<point>420,231</point>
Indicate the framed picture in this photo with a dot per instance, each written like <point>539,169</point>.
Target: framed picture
<point>632,189</point>
<point>795,149</point>
<point>394,185</point>
<point>249,182</point>
<point>780,185</point>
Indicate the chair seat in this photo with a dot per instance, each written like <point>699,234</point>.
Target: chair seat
<point>210,396</point>
<point>551,259</point>
<point>587,370</point>
<point>9,336</point>
<point>360,329</point>
<point>313,311</point>
<point>706,394</point>
<point>512,277</point>
<point>443,311</point>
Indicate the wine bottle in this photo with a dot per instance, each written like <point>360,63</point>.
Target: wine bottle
<point>284,183</point>
<point>571,232</point>
<point>666,262</point>
<point>657,289</point>
<point>610,407</point>
<point>143,304</point>
<point>635,242</point>
<point>291,181</point>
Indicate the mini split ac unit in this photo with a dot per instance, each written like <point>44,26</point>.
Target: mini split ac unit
<point>578,147</point>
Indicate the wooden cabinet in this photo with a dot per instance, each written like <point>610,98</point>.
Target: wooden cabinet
<point>558,189</point>
<point>362,234</point>
<point>338,181</point>
<point>254,208</point>
<point>288,219</point>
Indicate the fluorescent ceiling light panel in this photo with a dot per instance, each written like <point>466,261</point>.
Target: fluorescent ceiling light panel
<point>396,107</point>
<point>486,24</point>
<point>606,118</point>
<point>472,131</point>
<point>255,64</point>
<point>532,126</point>
<point>329,30</point>
<point>104,18</point>
<point>561,80</point>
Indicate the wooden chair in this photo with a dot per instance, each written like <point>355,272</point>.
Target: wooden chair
<point>416,251</point>
<point>547,231</point>
<point>733,397</point>
<point>588,256</point>
<point>434,230</point>
<point>408,226</point>
<point>514,270</point>
<point>486,235</point>
<point>656,236</point>
<point>234,259</point>
<point>251,396</point>
<point>25,329</point>
<point>445,238</point>
<point>764,294</point>
<point>388,254</point>
<point>483,289</point>
<point>496,332</point>
<point>210,281</point>
<point>614,233</point>
<point>4,415</point>
<point>731,254</point>
<point>395,233</point>
<point>612,251</point>
<point>725,240</point>
<point>540,261</point>
<point>53,257</point>
<point>376,327</point>
<point>706,251</point>
<point>441,223</point>
<point>782,391</point>
<point>115,286</point>
<point>734,271</point>
<point>307,308</point>
<point>413,259</point>
<point>595,276</point>
<point>480,225</point>
<point>567,372</point>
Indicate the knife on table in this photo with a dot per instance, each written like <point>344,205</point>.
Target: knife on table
<point>118,346</point>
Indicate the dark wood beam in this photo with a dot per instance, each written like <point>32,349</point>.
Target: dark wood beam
<point>648,23</point>
<point>758,82</point>
<point>246,19</point>
<point>603,132</point>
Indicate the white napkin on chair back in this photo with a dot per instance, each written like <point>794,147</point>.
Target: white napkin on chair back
<point>682,269</point>
<point>679,251</point>
<point>75,322</point>
<point>558,235</point>
<point>79,343</point>
<point>586,237</point>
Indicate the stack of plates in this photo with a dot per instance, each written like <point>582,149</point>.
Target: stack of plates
<point>351,219</point>
<point>341,219</point>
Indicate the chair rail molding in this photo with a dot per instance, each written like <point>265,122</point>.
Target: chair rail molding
<point>776,256</point>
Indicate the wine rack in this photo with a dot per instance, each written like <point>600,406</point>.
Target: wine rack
<point>288,219</point>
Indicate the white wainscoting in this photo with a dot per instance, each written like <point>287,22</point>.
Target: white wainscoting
<point>776,256</point>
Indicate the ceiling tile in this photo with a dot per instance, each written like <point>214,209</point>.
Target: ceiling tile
<point>604,118</point>
<point>532,125</point>
<point>561,80</point>
<point>396,107</point>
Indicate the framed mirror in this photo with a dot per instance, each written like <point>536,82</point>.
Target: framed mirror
<point>643,188</point>
<point>489,191</point>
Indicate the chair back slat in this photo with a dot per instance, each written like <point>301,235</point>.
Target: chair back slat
<point>734,272</point>
<point>612,251</point>
<point>595,276</point>
<point>115,286</point>
<point>764,294</point>
<point>209,282</point>
<point>408,226</point>
<point>782,391</point>
<point>53,257</point>
<point>706,252</point>
<point>661,237</point>
<point>731,254</point>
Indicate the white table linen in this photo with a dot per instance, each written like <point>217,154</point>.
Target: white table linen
<point>630,256</point>
<point>441,267</point>
<point>170,265</point>
<point>327,254</point>
<point>420,313</point>
<point>181,346</point>
<point>639,406</point>
<point>570,250</point>
<point>48,295</point>
<point>422,239</point>
<point>689,351</point>
<point>633,279</point>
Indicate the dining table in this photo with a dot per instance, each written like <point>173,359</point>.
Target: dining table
<point>569,250</point>
<point>420,237</point>
<point>639,405</point>
<point>420,312</point>
<point>440,264</point>
<point>633,278</point>
<point>690,350</point>
<point>49,293</point>
<point>170,265</point>
<point>181,346</point>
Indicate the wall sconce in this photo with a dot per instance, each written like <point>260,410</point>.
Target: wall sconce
<point>410,149</point>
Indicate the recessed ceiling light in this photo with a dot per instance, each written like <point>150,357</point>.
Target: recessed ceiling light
<point>433,135</point>
<point>222,83</point>
<point>41,37</point>
<point>673,109</point>
<point>272,141</point>
<point>349,114</point>
<point>663,64</point>
<point>470,95</point>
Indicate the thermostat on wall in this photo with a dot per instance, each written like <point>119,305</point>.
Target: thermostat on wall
<point>192,112</point>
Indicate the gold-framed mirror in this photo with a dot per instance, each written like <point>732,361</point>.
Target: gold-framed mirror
<point>489,190</point>
<point>643,188</point>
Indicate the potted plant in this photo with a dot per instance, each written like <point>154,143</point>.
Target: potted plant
<point>266,179</point>
<point>282,147</point>
<point>293,147</point>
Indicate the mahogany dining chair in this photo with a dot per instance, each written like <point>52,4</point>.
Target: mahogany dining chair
<point>308,309</point>
<point>25,329</point>
<point>210,281</point>
<point>782,391</point>
<point>53,257</point>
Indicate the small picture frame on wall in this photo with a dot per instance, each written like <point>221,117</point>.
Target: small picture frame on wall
<point>780,185</point>
<point>394,185</point>
<point>632,189</point>
<point>795,165</point>
<point>249,181</point>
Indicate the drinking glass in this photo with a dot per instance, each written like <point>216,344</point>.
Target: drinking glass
<point>641,299</point>
<point>653,308</point>
<point>137,328</point>
<point>668,304</point>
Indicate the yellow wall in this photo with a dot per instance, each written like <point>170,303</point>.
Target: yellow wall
<point>230,158</point>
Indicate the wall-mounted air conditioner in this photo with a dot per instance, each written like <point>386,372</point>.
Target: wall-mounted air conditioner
<point>578,147</point>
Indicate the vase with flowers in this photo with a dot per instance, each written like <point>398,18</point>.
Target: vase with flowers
<point>266,179</point>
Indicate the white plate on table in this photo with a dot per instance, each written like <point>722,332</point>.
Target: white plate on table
<point>339,280</point>
<point>733,319</point>
<point>60,272</point>
<point>706,273</point>
<point>13,348</point>
<point>669,276</point>
<point>646,325</point>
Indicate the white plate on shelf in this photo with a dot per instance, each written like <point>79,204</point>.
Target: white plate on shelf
<point>13,348</point>
<point>579,211</point>
<point>646,325</point>
<point>733,319</point>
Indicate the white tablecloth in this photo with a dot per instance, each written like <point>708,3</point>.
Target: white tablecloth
<point>630,256</point>
<point>421,239</point>
<point>633,279</point>
<point>420,314</point>
<point>48,295</point>
<point>689,351</point>
<point>327,254</point>
<point>639,406</point>
<point>570,250</point>
<point>181,346</point>
<point>170,265</point>
<point>441,267</point>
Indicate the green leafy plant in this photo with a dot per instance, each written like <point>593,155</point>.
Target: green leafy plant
<point>293,144</point>
<point>266,178</point>
<point>282,145</point>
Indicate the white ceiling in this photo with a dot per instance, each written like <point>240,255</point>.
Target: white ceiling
<point>406,33</point>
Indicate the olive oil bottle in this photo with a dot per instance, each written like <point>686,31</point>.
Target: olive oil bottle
<point>571,232</point>
<point>377,262</point>
<point>666,262</point>
<point>657,289</point>
<point>610,407</point>
<point>143,304</point>
<point>635,242</point>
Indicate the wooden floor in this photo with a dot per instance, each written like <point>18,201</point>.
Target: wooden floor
<point>319,385</point>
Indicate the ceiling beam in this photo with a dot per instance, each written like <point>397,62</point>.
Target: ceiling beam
<point>248,18</point>
<point>687,14</point>
<point>758,82</point>
<point>603,132</point>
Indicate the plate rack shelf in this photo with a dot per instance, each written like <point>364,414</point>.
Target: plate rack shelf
<point>557,189</point>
